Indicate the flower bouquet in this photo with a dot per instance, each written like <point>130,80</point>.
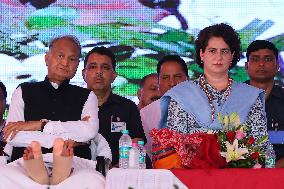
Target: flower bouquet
<point>177,150</point>
<point>239,149</point>
<point>229,147</point>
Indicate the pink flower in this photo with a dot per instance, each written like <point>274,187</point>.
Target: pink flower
<point>240,135</point>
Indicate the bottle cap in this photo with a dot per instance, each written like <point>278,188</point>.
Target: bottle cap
<point>141,142</point>
<point>125,131</point>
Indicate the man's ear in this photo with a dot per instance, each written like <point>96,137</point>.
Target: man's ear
<point>83,75</point>
<point>114,75</point>
<point>246,66</point>
<point>46,58</point>
<point>139,94</point>
<point>277,65</point>
<point>201,54</point>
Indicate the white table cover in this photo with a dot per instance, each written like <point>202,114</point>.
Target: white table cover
<point>142,179</point>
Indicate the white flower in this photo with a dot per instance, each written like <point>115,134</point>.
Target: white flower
<point>233,152</point>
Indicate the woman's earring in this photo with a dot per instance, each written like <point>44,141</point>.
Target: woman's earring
<point>201,62</point>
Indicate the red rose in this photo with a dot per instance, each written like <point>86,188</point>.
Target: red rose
<point>251,140</point>
<point>230,136</point>
<point>255,155</point>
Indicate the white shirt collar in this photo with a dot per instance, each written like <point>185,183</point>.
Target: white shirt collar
<point>54,85</point>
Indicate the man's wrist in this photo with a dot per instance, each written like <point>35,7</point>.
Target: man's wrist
<point>43,123</point>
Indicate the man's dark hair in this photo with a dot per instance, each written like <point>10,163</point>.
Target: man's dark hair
<point>261,44</point>
<point>143,80</point>
<point>229,35</point>
<point>102,51</point>
<point>3,88</point>
<point>175,58</point>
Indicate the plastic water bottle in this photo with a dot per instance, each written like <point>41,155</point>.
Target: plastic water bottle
<point>124,147</point>
<point>270,157</point>
<point>134,156</point>
<point>142,155</point>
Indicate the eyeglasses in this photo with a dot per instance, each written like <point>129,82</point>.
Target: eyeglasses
<point>265,59</point>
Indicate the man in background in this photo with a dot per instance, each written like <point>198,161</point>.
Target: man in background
<point>116,113</point>
<point>3,96</point>
<point>262,66</point>
<point>171,71</point>
<point>148,91</point>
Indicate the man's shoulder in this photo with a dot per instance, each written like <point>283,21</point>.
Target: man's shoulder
<point>78,92</point>
<point>31,84</point>
<point>38,86</point>
<point>277,87</point>
<point>150,115</point>
<point>278,91</point>
<point>153,107</point>
<point>78,88</point>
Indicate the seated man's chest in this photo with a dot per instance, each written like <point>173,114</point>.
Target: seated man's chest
<point>112,120</point>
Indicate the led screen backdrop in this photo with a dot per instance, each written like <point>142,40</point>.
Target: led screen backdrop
<point>138,31</point>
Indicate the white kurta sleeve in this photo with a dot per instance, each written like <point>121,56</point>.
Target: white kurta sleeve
<point>80,131</point>
<point>16,108</point>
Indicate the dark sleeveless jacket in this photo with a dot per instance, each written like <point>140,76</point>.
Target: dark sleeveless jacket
<point>43,101</point>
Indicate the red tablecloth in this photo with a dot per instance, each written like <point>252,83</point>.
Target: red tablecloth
<point>231,178</point>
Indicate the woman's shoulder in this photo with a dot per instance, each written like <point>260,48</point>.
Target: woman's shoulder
<point>181,88</point>
<point>246,87</point>
<point>245,91</point>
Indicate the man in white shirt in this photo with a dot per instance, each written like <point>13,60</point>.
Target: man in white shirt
<point>51,109</point>
<point>148,90</point>
<point>171,70</point>
<point>54,108</point>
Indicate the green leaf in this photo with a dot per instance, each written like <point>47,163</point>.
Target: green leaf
<point>226,122</point>
<point>168,46</point>
<point>278,41</point>
<point>176,36</point>
<point>44,22</point>
<point>235,119</point>
<point>239,74</point>
<point>241,128</point>
<point>220,119</point>
<point>252,30</point>
<point>117,32</point>
<point>262,140</point>
<point>128,89</point>
<point>136,68</point>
